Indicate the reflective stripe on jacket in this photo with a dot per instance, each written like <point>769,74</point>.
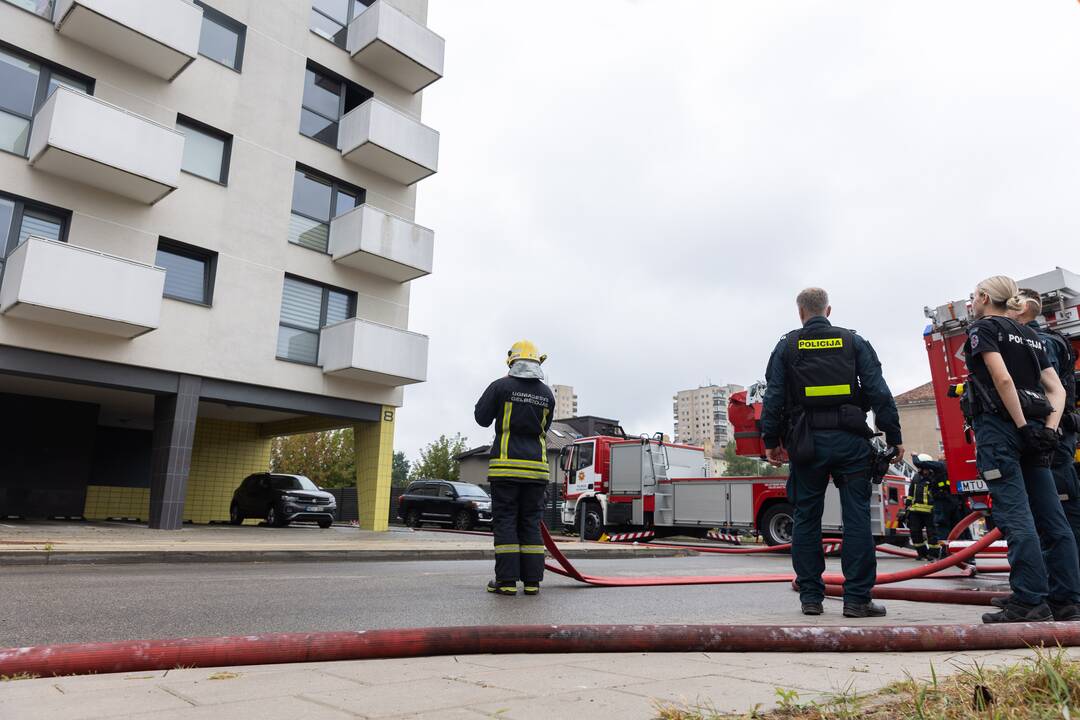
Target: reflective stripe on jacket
<point>521,409</point>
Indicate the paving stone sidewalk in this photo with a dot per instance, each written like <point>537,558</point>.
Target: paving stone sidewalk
<point>512,687</point>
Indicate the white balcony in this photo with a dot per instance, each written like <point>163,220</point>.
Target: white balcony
<point>160,37</point>
<point>386,245</point>
<point>388,42</point>
<point>88,140</point>
<point>60,284</point>
<point>389,142</point>
<point>371,352</point>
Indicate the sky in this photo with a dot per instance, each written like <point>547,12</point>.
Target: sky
<point>641,187</point>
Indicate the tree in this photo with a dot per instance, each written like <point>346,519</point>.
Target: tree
<point>439,459</point>
<point>739,466</point>
<point>325,457</point>
<point>401,470</point>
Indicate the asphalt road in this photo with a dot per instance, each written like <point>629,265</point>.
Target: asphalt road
<point>43,605</point>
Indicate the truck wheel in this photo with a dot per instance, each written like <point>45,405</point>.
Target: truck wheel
<point>590,515</point>
<point>777,524</point>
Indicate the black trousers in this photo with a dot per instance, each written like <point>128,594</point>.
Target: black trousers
<point>517,508</point>
<point>919,521</point>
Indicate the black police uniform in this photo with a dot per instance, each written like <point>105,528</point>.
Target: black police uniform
<point>920,517</point>
<point>821,379</point>
<point>518,472</point>
<point>1026,506</point>
<point>1062,357</point>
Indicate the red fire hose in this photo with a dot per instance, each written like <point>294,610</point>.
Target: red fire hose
<point>325,647</point>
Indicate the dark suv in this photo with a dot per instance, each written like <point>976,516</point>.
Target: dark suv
<point>281,499</point>
<point>462,505</point>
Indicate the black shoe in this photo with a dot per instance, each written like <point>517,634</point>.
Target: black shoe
<point>507,589</point>
<point>862,610</point>
<point>1015,612</point>
<point>1001,602</point>
<point>532,588</point>
<point>1066,612</point>
<point>920,552</point>
<point>812,608</point>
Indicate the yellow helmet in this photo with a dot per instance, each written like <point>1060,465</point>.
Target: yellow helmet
<point>524,350</point>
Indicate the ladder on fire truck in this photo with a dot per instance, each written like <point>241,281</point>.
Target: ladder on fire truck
<point>664,508</point>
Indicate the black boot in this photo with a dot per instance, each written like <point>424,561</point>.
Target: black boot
<point>501,588</point>
<point>1016,612</point>
<point>920,550</point>
<point>862,610</point>
<point>1065,612</point>
<point>532,588</point>
<point>812,608</point>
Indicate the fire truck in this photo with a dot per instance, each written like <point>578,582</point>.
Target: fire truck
<point>945,337</point>
<point>621,484</point>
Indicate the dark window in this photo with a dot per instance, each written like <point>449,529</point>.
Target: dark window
<point>189,271</point>
<point>584,456</point>
<point>222,38</point>
<point>327,98</point>
<point>317,200</point>
<point>306,308</point>
<point>25,85</point>
<point>331,18</point>
<point>206,150</point>
<point>446,492</point>
<point>19,219</point>
<point>44,8</point>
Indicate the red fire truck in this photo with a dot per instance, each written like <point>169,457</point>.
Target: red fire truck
<point>622,484</point>
<point>945,336</point>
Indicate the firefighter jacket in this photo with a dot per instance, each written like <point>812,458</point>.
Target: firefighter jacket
<point>521,409</point>
<point>939,477</point>
<point>921,494</point>
<point>824,366</point>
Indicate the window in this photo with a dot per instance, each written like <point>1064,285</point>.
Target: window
<point>327,98</point>
<point>331,18</point>
<point>306,308</point>
<point>206,150</point>
<point>44,8</point>
<point>189,271</point>
<point>25,85</point>
<point>316,201</point>
<point>446,492</point>
<point>222,38</point>
<point>19,219</point>
<point>584,456</point>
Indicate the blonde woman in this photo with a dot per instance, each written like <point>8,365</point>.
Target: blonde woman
<point>1016,400</point>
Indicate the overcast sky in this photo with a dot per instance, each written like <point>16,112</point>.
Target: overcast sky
<point>642,187</point>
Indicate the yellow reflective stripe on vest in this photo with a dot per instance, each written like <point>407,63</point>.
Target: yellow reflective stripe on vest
<point>543,437</point>
<point>511,463</point>
<point>504,444</point>
<point>821,344</point>
<point>532,549</point>
<point>503,549</point>
<point>827,390</point>
<point>519,474</point>
<point>921,508</point>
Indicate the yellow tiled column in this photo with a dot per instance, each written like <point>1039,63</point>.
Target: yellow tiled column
<point>222,455</point>
<point>374,446</point>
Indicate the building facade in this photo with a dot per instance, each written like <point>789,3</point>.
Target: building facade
<point>919,419</point>
<point>701,418</point>
<point>207,238</point>
<point>565,401</point>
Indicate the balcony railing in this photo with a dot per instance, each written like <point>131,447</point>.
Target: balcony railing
<point>82,138</point>
<point>160,37</point>
<point>60,284</point>
<point>377,242</point>
<point>389,43</point>
<point>389,142</point>
<point>375,353</point>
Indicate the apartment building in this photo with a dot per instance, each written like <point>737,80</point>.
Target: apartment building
<point>565,401</point>
<point>701,418</point>
<point>207,238</point>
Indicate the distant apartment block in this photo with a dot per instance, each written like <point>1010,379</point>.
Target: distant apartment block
<point>207,236</point>
<point>565,401</point>
<point>700,417</point>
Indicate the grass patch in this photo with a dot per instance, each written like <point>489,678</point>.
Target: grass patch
<point>1046,686</point>
<point>224,676</point>
<point>18,676</point>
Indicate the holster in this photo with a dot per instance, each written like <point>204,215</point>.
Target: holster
<point>800,439</point>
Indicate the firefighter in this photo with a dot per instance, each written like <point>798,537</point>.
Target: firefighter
<point>920,510</point>
<point>521,405</point>
<point>1015,401</point>
<point>820,381</point>
<point>1062,357</point>
<point>948,508</point>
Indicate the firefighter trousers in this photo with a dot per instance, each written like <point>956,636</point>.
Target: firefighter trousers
<point>918,523</point>
<point>845,457</point>
<point>517,509</point>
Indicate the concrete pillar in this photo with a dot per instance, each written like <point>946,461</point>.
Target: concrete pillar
<point>170,460</point>
<point>374,448</point>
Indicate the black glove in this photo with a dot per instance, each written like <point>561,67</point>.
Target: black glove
<point>1038,440</point>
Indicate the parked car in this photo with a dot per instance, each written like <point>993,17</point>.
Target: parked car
<point>462,505</point>
<point>280,499</point>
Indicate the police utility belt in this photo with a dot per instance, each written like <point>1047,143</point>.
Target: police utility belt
<point>849,418</point>
<point>978,399</point>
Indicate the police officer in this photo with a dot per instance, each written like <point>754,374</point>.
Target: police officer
<point>521,406</point>
<point>1015,400</point>
<point>920,510</point>
<point>1062,357</point>
<point>820,381</point>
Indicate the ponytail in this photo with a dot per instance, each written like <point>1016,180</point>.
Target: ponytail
<point>1002,292</point>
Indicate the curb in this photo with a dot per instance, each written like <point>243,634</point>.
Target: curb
<point>124,557</point>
